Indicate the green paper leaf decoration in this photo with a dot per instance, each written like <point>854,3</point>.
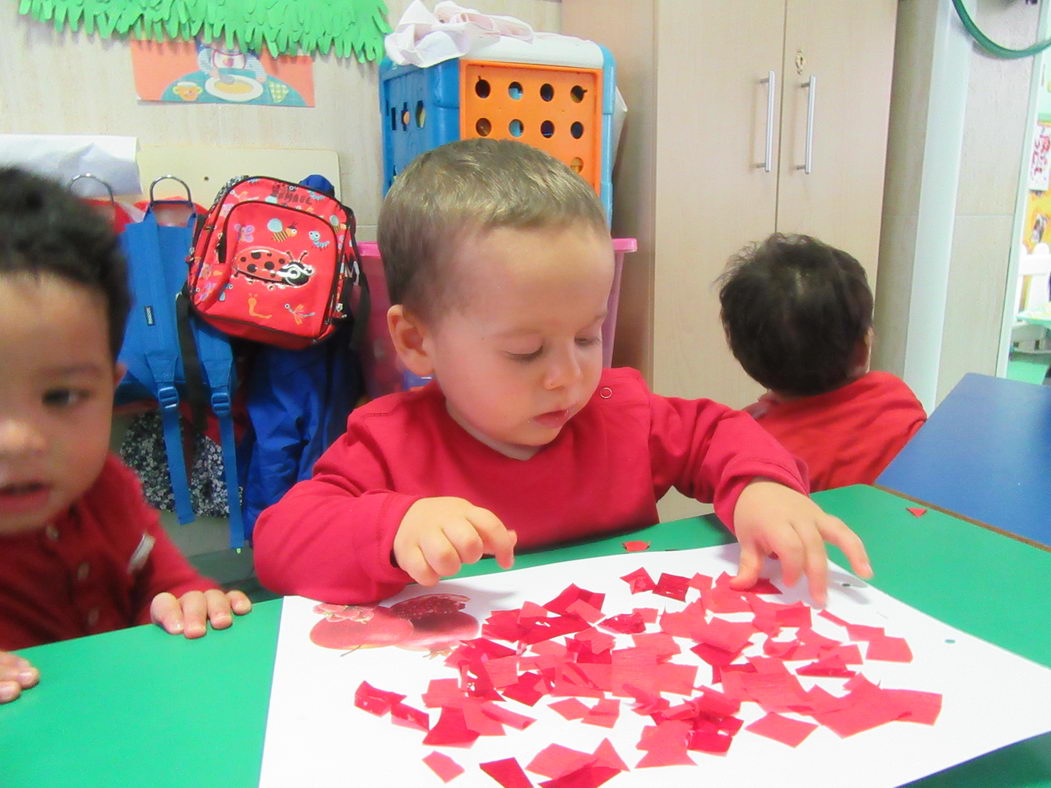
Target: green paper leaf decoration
<point>350,28</point>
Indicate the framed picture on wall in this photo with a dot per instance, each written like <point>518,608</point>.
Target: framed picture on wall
<point>1040,164</point>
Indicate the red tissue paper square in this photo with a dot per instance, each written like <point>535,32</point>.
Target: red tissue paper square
<point>639,581</point>
<point>507,772</point>
<point>444,766</point>
<point>782,729</point>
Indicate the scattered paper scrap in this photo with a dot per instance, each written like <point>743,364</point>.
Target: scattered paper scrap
<point>507,772</point>
<point>916,511</point>
<point>559,650</point>
<point>704,676</point>
<point>636,546</point>
<point>783,729</point>
<point>444,766</point>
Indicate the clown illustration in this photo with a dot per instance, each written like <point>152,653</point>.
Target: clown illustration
<point>219,61</point>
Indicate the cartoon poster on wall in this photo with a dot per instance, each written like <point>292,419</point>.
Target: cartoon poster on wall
<point>198,72</point>
<point>1040,164</point>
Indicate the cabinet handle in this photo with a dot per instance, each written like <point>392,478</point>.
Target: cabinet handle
<point>771,83</point>
<point>808,154</point>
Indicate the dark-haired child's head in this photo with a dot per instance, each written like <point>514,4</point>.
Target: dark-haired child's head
<point>797,314</point>
<point>63,304</point>
<point>45,230</point>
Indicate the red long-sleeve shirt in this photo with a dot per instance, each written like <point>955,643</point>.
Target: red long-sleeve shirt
<point>331,536</point>
<point>94,569</point>
<point>847,435</point>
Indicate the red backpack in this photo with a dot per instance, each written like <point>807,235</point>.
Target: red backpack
<point>272,262</point>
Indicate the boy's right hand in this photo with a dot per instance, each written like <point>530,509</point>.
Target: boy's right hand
<point>437,536</point>
<point>16,674</point>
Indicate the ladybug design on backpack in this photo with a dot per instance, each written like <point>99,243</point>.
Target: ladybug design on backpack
<point>273,267</point>
<point>239,285</point>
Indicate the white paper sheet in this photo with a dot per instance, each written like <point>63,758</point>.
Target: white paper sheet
<point>64,156</point>
<point>316,736</point>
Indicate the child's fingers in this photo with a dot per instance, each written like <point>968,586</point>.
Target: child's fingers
<point>16,674</point>
<point>239,602</point>
<point>9,691</point>
<point>748,567</point>
<point>815,562</point>
<point>785,544</point>
<point>218,607</point>
<point>194,613</point>
<point>166,612</point>
<point>414,564</point>
<point>497,540</point>
<point>440,553</point>
<point>465,540</point>
<point>839,533</point>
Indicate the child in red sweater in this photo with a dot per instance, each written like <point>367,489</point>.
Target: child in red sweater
<point>798,316</point>
<point>499,264</point>
<point>80,552</point>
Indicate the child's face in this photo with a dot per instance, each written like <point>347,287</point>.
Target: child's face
<point>56,397</point>
<point>523,353</point>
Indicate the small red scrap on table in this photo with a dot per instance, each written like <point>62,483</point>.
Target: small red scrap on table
<point>916,511</point>
<point>591,666</point>
<point>636,546</point>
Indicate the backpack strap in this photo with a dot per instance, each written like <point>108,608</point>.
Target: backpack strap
<point>159,347</point>
<point>208,351</point>
<point>356,276</point>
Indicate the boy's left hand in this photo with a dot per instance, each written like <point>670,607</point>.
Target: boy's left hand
<point>772,519</point>
<point>188,615</point>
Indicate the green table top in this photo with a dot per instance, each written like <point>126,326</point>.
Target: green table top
<point>138,707</point>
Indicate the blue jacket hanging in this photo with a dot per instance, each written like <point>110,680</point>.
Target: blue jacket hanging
<point>298,402</point>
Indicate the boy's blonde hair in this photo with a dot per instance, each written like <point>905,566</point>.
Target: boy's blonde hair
<point>466,187</point>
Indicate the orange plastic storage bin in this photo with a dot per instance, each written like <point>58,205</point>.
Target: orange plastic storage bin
<point>555,93</point>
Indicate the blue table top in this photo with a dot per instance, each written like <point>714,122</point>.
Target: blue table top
<point>984,454</point>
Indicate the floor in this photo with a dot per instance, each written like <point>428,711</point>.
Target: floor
<point>1029,367</point>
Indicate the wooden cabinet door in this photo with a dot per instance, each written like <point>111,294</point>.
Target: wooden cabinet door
<point>711,198</point>
<point>848,49</point>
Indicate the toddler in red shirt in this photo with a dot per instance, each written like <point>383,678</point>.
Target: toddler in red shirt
<point>80,552</point>
<point>499,265</point>
<point>798,316</point>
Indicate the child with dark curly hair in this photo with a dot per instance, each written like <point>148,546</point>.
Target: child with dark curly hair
<point>798,316</point>
<point>80,552</point>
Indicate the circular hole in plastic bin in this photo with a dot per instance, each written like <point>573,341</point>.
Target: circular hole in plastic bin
<point>576,164</point>
<point>482,88</point>
<point>421,115</point>
<point>516,128</point>
<point>405,117</point>
<point>577,93</point>
<point>547,91</point>
<point>483,127</point>
<point>577,130</point>
<point>514,90</point>
<point>547,128</point>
